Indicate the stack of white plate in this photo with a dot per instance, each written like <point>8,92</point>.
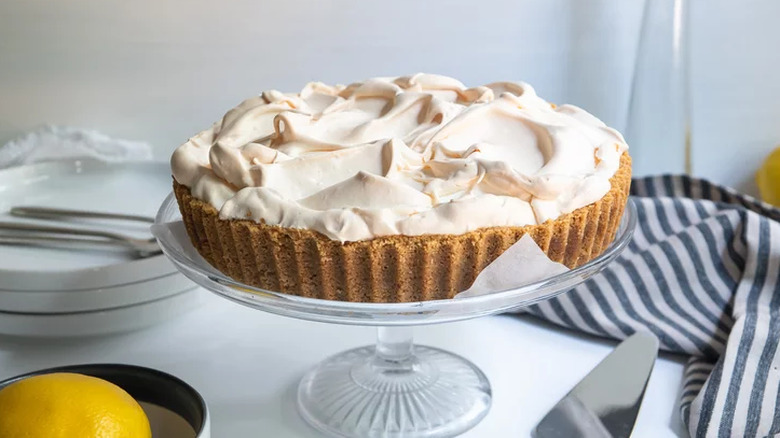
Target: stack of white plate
<point>72,292</point>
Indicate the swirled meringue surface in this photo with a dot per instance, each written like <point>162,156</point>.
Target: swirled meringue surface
<point>412,155</point>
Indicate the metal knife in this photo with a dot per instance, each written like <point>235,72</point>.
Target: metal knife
<point>606,402</point>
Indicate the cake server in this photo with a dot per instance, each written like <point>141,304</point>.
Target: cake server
<point>606,402</point>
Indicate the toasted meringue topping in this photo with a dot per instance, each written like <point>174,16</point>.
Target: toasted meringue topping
<point>412,155</point>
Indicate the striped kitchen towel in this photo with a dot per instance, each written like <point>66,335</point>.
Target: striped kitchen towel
<point>703,274</point>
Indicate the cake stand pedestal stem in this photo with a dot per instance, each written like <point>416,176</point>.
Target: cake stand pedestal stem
<point>394,389</point>
<point>394,349</point>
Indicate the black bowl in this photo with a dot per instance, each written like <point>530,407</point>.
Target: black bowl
<point>145,385</point>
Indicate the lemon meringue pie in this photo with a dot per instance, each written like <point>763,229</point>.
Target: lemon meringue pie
<point>397,189</point>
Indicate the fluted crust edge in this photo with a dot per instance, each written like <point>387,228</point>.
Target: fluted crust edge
<point>389,268</point>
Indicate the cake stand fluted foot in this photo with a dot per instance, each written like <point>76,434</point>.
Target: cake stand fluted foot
<point>394,390</point>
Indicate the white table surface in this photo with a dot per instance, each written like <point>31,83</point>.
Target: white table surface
<point>247,364</point>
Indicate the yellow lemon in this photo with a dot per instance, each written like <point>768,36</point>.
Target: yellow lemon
<point>768,178</point>
<point>67,405</point>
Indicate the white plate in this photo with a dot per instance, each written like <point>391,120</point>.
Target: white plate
<point>135,188</point>
<point>101,322</point>
<point>82,300</point>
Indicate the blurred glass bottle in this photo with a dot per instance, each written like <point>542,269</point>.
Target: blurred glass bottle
<point>658,129</point>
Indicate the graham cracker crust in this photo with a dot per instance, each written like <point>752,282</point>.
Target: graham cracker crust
<point>390,268</point>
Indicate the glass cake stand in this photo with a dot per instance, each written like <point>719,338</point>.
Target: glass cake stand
<point>393,388</point>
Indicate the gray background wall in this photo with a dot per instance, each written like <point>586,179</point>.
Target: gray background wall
<point>161,70</point>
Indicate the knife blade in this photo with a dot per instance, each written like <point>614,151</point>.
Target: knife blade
<point>606,402</point>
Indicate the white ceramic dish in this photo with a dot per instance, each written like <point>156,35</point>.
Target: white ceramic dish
<point>100,322</point>
<point>82,300</point>
<point>135,188</point>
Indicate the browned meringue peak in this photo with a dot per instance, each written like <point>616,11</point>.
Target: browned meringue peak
<point>410,155</point>
<point>369,191</point>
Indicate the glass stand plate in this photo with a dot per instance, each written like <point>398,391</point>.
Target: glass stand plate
<point>392,389</point>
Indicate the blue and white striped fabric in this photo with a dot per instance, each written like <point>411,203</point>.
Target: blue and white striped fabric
<point>703,274</point>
